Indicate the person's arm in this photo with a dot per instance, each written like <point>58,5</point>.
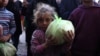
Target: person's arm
<point>12,28</point>
<point>36,46</point>
<point>12,25</point>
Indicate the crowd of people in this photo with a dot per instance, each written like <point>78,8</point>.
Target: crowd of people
<point>38,14</point>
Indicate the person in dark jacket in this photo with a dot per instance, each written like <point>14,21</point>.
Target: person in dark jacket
<point>15,7</point>
<point>86,19</point>
<point>67,6</point>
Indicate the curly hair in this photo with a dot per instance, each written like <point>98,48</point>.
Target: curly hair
<point>41,9</point>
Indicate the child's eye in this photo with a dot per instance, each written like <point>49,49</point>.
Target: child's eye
<point>40,20</point>
<point>48,19</point>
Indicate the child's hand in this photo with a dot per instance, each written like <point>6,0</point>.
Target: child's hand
<point>1,30</point>
<point>5,38</point>
<point>69,36</point>
<point>51,41</point>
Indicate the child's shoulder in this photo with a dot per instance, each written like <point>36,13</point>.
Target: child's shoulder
<point>8,12</point>
<point>38,32</point>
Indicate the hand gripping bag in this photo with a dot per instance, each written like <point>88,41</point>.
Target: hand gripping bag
<point>57,28</point>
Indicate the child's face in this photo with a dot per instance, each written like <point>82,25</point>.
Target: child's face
<point>44,21</point>
<point>3,3</point>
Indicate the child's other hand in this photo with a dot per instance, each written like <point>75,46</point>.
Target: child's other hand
<point>51,41</point>
<point>1,30</point>
<point>69,36</point>
<point>5,38</point>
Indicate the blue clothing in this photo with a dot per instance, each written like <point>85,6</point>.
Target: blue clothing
<point>15,7</point>
<point>67,6</point>
<point>87,31</point>
<point>7,21</point>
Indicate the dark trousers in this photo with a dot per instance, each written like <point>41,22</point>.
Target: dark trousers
<point>29,32</point>
<point>28,39</point>
<point>15,39</point>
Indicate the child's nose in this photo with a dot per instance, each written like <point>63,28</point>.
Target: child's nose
<point>44,22</point>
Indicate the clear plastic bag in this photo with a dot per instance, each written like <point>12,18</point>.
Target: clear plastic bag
<point>57,28</point>
<point>7,49</point>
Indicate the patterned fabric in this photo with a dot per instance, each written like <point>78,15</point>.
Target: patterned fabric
<point>38,38</point>
<point>7,21</point>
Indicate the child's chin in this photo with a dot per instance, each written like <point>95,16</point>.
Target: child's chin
<point>44,29</point>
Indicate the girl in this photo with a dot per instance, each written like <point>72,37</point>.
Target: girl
<point>40,45</point>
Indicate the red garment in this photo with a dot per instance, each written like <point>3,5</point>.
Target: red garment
<point>87,31</point>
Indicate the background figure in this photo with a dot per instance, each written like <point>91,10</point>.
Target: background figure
<point>27,12</point>
<point>67,6</point>
<point>15,7</point>
<point>8,23</point>
<point>99,2</point>
<point>86,19</point>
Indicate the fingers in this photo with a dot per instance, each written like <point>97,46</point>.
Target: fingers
<point>2,40</point>
<point>51,40</point>
<point>69,35</point>
<point>54,41</point>
<point>49,37</point>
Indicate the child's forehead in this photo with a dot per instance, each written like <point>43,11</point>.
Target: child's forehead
<point>45,15</point>
<point>1,0</point>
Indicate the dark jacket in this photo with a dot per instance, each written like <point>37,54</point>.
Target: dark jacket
<point>15,7</point>
<point>67,6</point>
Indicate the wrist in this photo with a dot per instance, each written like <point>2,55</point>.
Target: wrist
<point>45,45</point>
